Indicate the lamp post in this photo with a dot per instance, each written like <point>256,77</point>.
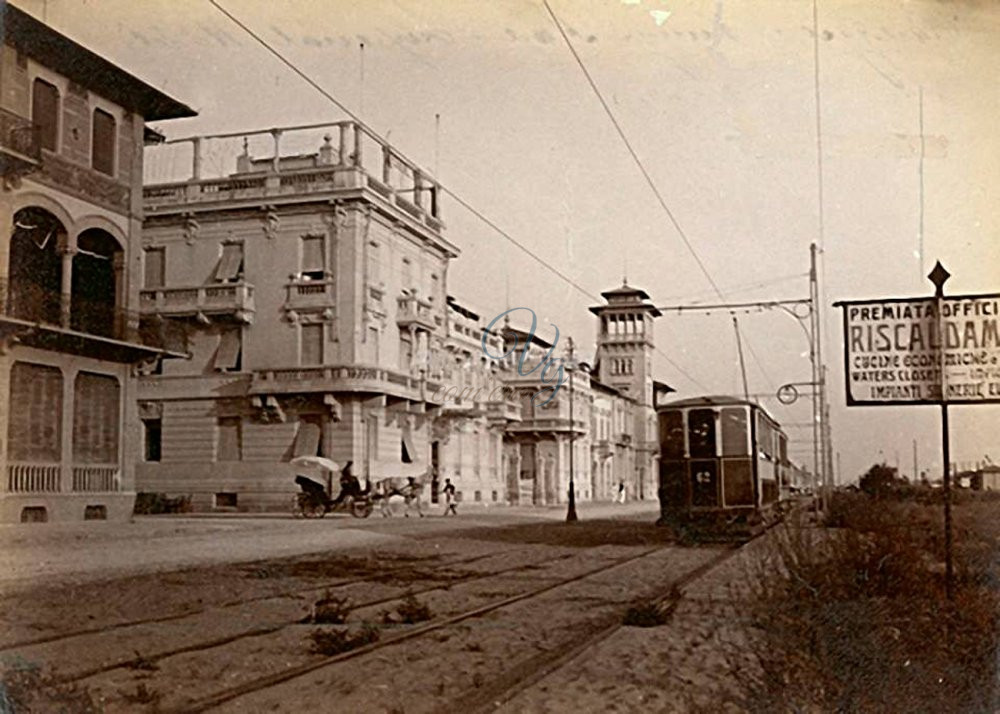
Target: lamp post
<point>571,510</point>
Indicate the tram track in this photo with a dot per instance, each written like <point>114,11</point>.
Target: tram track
<point>229,604</point>
<point>261,684</point>
<point>151,659</point>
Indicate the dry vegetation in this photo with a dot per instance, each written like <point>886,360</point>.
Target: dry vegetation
<point>856,618</point>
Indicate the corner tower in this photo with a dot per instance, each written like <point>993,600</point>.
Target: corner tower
<point>624,360</point>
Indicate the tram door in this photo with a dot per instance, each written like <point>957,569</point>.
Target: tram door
<point>703,467</point>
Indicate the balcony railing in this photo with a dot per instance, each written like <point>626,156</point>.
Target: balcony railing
<point>330,379</point>
<point>309,294</point>
<point>19,142</point>
<point>95,479</point>
<point>347,156</point>
<point>218,299</point>
<point>33,478</point>
<point>84,182</point>
<point>411,310</point>
<point>30,302</point>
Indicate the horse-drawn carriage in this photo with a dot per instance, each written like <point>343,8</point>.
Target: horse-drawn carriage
<point>315,500</point>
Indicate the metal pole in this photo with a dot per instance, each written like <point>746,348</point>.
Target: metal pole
<point>949,574</point>
<point>938,276</point>
<point>571,510</point>
<point>813,364</point>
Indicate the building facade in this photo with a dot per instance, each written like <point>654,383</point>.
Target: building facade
<point>72,129</point>
<point>315,288</point>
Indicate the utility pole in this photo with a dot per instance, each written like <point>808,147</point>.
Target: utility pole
<point>571,364</point>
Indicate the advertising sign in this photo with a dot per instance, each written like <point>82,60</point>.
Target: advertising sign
<point>922,350</point>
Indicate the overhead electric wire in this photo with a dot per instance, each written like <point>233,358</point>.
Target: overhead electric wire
<point>646,175</point>
<point>458,199</point>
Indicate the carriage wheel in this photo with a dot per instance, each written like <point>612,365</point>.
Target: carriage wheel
<point>361,508</point>
<point>313,509</point>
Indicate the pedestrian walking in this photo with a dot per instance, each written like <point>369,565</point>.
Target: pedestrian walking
<point>449,497</point>
<point>621,492</point>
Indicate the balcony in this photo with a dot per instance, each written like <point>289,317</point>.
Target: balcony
<point>508,410</point>
<point>347,159</point>
<point>411,311</point>
<point>37,316</point>
<point>309,296</point>
<point>84,182</point>
<point>371,380</point>
<point>20,147</point>
<point>221,299</point>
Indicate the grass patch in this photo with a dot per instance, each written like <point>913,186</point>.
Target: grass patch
<point>646,614</point>
<point>330,610</point>
<point>856,618</point>
<point>329,642</point>
<point>24,687</point>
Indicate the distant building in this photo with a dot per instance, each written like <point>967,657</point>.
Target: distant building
<point>72,127</point>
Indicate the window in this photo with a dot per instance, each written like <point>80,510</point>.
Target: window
<point>225,499</point>
<point>407,273</point>
<point>373,344</point>
<point>230,267</point>
<point>229,439</point>
<point>313,258</point>
<point>152,439</point>
<point>34,431</point>
<point>45,113</point>
<point>96,403</point>
<point>374,264</point>
<point>311,344</point>
<point>405,352</point>
<point>102,146</point>
<point>227,357</point>
<point>734,432</point>
<point>672,435</point>
<point>155,267</point>
<point>701,433</point>
<point>406,448</point>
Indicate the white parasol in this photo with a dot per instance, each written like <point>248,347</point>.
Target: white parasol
<point>320,462</point>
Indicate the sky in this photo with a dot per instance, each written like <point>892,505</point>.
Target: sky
<point>718,99</point>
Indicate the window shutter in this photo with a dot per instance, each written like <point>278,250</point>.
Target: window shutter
<point>307,439</point>
<point>312,344</point>
<point>408,451</point>
<point>95,419</point>
<point>155,267</point>
<point>312,254</point>
<point>45,113</point>
<point>230,263</point>
<point>102,147</point>
<point>228,355</point>
<point>35,427</point>
<point>229,446</point>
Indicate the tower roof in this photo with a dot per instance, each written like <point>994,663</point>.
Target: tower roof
<point>625,296</point>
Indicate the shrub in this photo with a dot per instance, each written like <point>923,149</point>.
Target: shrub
<point>330,610</point>
<point>331,642</point>
<point>646,614</point>
<point>409,612</point>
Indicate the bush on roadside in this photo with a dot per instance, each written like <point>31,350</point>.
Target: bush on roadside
<point>410,611</point>
<point>857,619</point>
<point>24,687</point>
<point>330,610</point>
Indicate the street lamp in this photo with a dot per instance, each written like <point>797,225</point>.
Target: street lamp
<point>571,510</point>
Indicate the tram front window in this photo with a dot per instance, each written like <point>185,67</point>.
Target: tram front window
<point>701,433</point>
<point>734,432</point>
<point>671,435</point>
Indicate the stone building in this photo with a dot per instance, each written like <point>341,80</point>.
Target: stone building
<point>72,128</point>
<point>315,286</point>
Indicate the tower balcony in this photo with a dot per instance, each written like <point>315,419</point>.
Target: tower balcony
<point>303,295</point>
<point>202,301</point>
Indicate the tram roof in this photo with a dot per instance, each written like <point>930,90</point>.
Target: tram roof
<point>715,400</point>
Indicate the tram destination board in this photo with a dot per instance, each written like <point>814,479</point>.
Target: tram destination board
<point>922,350</point>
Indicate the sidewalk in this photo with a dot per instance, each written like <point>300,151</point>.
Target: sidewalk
<point>31,554</point>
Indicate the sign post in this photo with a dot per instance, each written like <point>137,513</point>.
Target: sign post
<point>937,350</point>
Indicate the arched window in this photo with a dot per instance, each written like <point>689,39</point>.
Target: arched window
<point>102,145</point>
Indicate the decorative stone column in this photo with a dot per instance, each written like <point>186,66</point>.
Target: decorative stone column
<point>68,251</point>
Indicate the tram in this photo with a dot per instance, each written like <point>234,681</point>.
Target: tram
<point>723,462</point>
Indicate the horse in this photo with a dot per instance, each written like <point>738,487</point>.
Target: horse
<point>408,487</point>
